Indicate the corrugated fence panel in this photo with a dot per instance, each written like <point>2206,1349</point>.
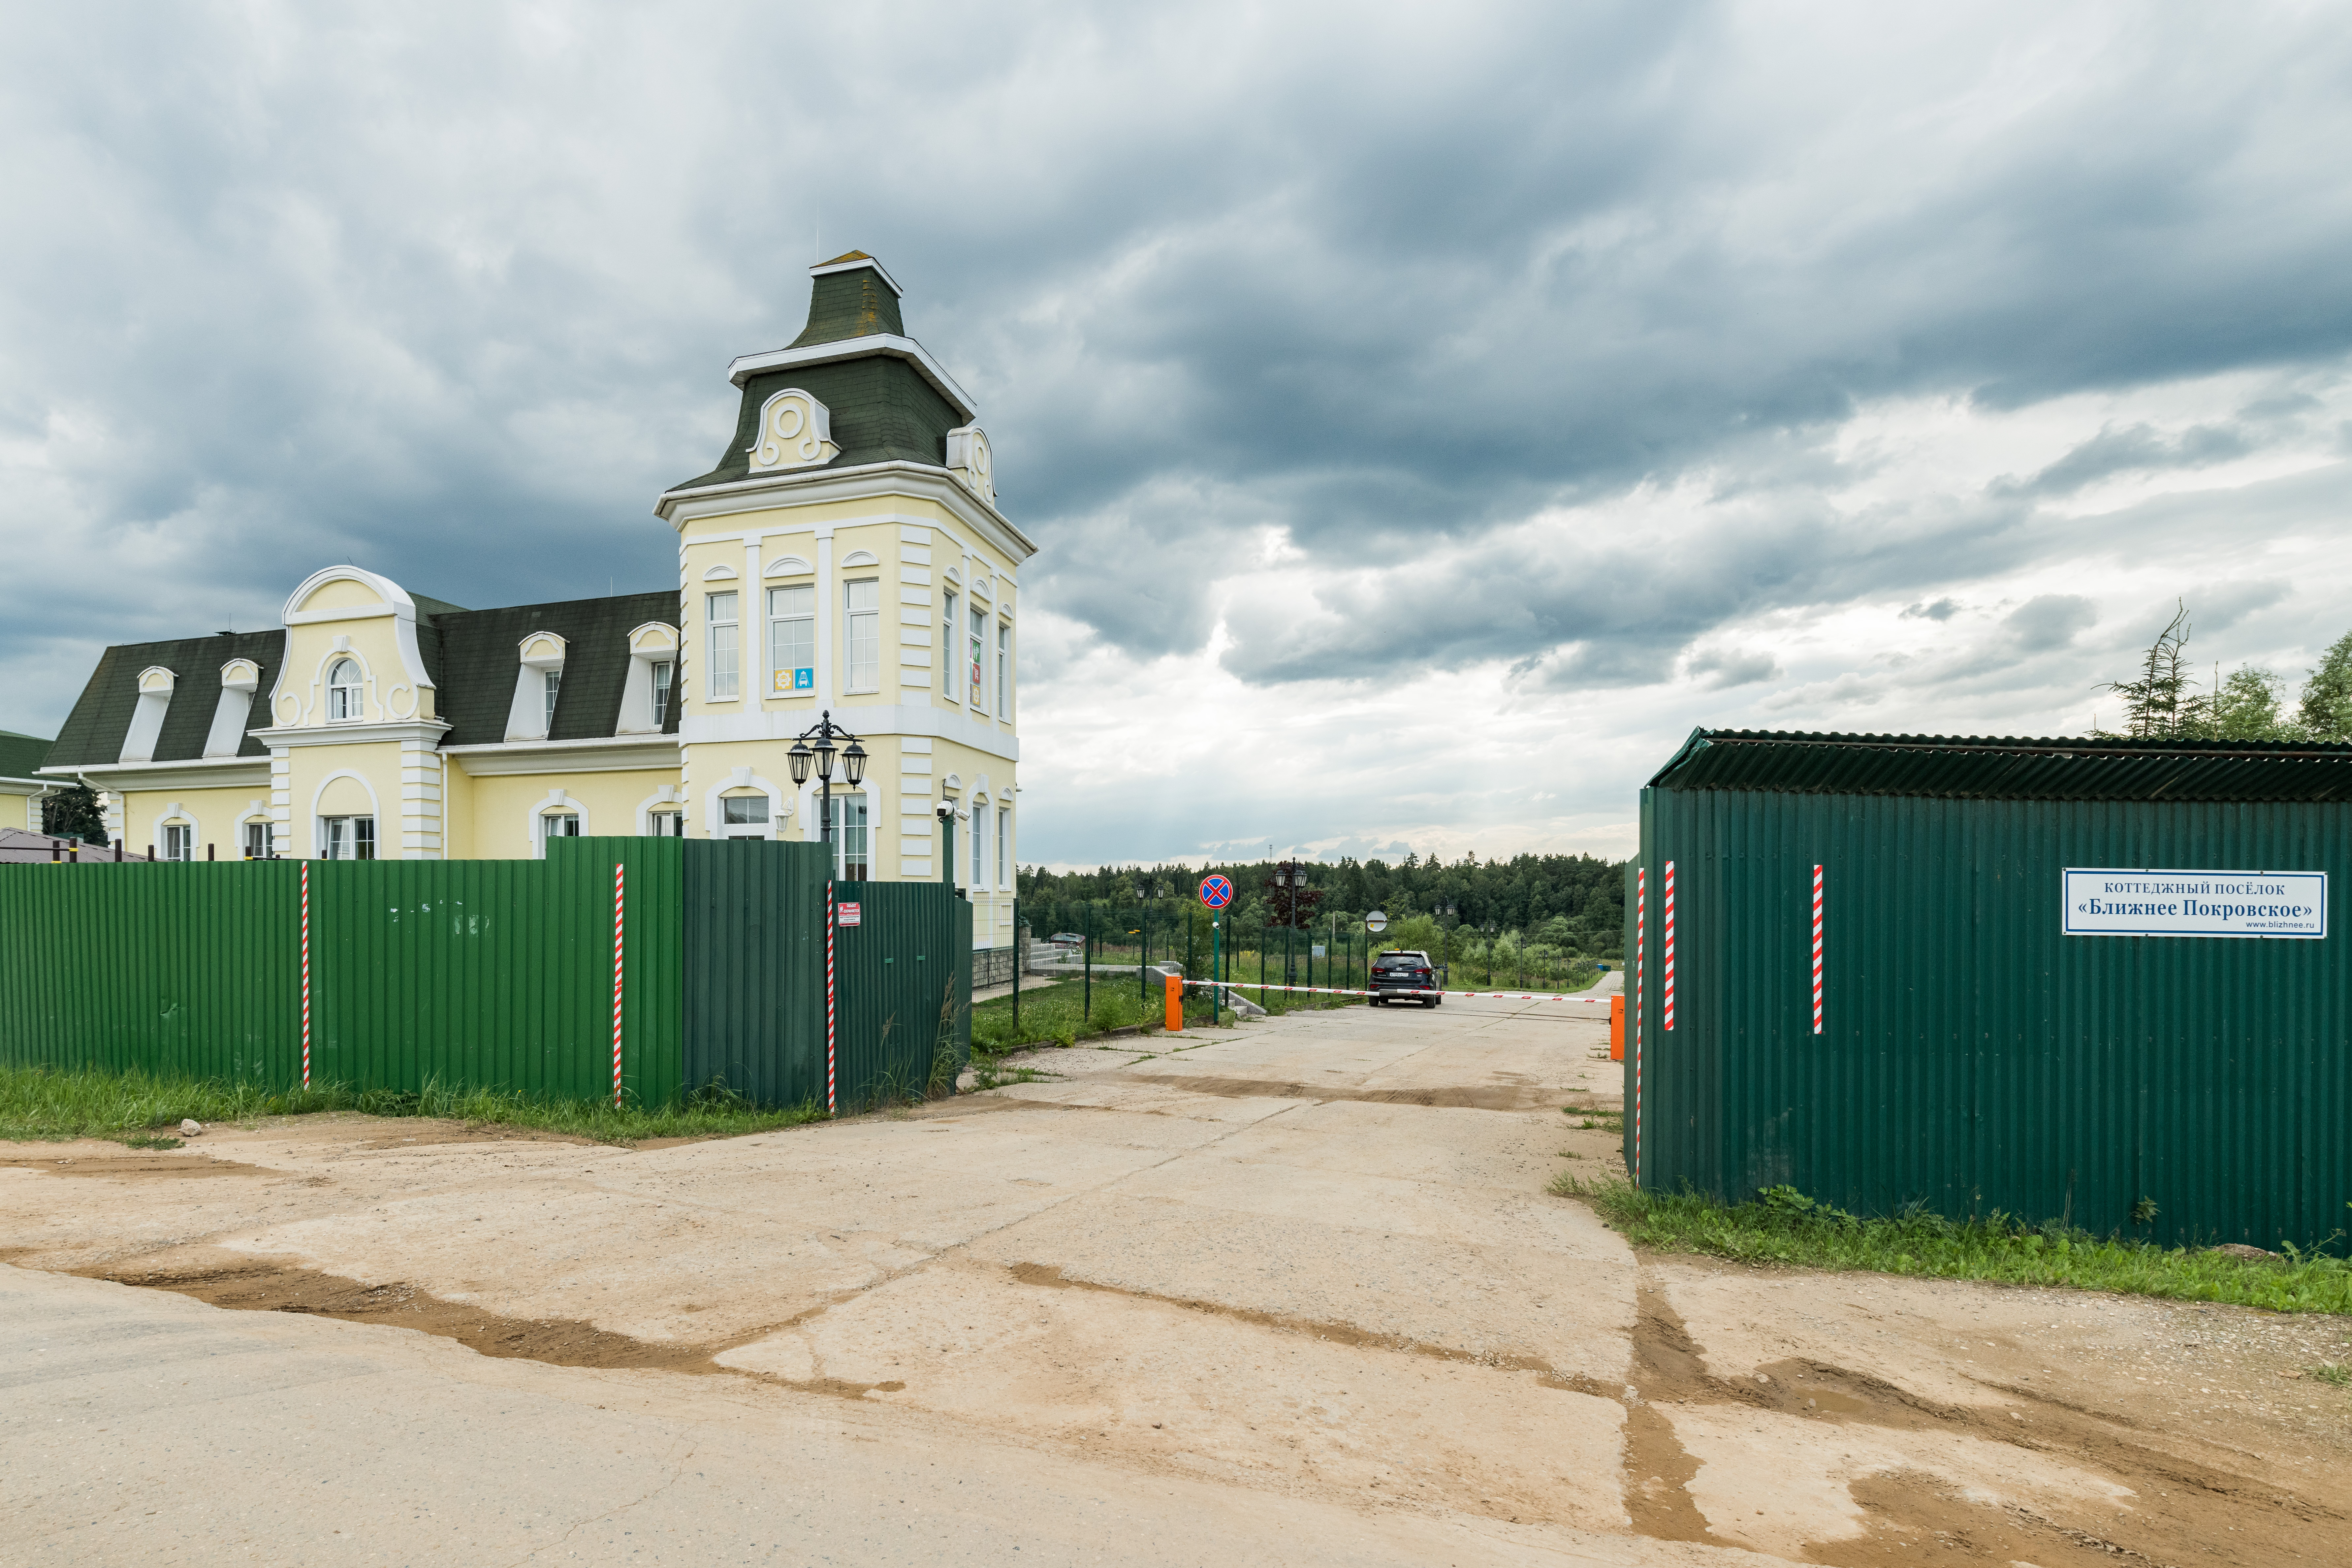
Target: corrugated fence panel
<point>490,973</point>
<point>903,978</point>
<point>181,969</point>
<point>753,1000</point>
<point>1973,1057</point>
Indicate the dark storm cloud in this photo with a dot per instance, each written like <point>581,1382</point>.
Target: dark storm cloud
<point>451,292</point>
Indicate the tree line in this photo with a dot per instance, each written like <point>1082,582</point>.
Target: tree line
<point>1571,904</point>
<point>2162,700</point>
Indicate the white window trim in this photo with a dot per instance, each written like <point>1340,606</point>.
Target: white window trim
<point>556,801</point>
<point>655,643</point>
<point>667,797</point>
<point>948,631</point>
<point>710,626</point>
<point>326,687</point>
<point>714,824</point>
<point>848,633</point>
<point>174,815</point>
<point>527,717</point>
<point>319,822</point>
<point>769,620</point>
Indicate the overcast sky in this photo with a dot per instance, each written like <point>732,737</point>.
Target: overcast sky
<point>1427,414</point>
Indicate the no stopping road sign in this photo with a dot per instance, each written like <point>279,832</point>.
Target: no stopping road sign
<point>1217,891</point>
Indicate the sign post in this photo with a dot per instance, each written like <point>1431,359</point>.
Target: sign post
<point>1216,891</point>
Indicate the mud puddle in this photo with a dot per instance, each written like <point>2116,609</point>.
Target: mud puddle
<point>2180,1511</point>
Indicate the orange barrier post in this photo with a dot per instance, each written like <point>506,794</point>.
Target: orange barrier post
<point>1617,1027</point>
<point>1175,1005</point>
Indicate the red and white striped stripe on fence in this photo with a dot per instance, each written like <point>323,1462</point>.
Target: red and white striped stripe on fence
<point>830,1103</point>
<point>618,875</point>
<point>1817,949</point>
<point>306,975</point>
<point>1641,942</point>
<point>1667,971</point>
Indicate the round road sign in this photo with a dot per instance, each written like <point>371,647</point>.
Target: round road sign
<point>1377,920</point>
<point>1217,891</point>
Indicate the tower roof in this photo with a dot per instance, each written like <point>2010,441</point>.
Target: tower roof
<point>853,297</point>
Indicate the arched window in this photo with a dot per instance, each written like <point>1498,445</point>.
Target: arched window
<point>343,689</point>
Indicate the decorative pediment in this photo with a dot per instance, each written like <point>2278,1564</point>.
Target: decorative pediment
<point>653,639</point>
<point>543,650</point>
<point>861,558</point>
<point>968,456</point>
<point>789,566</point>
<point>795,432</point>
<point>240,675</point>
<point>719,574</point>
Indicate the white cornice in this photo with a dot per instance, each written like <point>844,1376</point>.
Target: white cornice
<point>748,365</point>
<point>355,613</point>
<point>604,754</point>
<point>871,720</point>
<point>916,481</point>
<point>188,773</point>
<point>428,730</point>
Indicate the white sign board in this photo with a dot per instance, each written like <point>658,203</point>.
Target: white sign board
<point>2196,903</point>
<point>849,914</point>
<point>1377,920</point>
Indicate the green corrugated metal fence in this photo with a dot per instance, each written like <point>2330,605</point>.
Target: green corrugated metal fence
<point>495,973</point>
<point>1972,1057</point>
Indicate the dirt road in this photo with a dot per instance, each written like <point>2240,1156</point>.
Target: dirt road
<point>1293,1292</point>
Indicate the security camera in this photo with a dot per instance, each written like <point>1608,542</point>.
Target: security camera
<point>945,809</point>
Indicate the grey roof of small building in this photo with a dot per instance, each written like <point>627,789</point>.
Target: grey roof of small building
<point>1973,767</point>
<point>880,407</point>
<point>472,655</point>
<point>20,754</point>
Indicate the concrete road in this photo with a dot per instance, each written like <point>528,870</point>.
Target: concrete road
<point>1293,1292</point>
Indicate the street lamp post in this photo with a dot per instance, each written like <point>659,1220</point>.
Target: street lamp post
<point>820,758</point>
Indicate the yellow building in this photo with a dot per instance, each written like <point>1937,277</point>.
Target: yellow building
<point>845,556</point>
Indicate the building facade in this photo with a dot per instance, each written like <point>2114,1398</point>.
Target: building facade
<point>845,556</point>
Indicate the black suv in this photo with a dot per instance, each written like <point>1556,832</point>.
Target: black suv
<point>1406,970</point>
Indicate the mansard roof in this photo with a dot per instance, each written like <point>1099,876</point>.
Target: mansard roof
<point>95,729</point>
<point>472,655</point>
<point>482,651</point>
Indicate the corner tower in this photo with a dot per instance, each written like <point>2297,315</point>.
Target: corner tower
<point>846,554</point>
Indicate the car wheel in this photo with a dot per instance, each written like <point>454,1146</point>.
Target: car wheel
<point>1436,1002</point>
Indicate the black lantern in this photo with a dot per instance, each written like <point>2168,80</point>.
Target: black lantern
<point>825,752</point>
<point>853,764</point>
<point>801,758</point>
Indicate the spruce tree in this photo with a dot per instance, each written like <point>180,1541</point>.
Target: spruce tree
<point>2326,708</point>
<point>73,813</point>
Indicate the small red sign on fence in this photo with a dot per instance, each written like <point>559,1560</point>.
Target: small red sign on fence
<point>847,914</point>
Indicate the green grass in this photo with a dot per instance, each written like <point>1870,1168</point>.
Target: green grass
<point>1781,1225</point>
<point>41,1103</point>
<point>2334,1374</point>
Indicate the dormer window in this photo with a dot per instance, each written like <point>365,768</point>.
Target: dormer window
<point>554,684</point>
<point>662,673</point>
<point>343,690</point>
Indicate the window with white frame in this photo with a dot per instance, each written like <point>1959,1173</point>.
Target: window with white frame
<point>554,684</point>
<point>179,841</point>
<point>978,658</point>
<point>862,637</point>
<point>1003,670</point>
<point>726,646</point>
<point>557,825</point>
<point>947,649</point>
<point>258,840</point>
<point>978,846</point>
<point>851,837</point>
<point>1004,844</point>
<point>662,674</point>
<point>343,690</point>
<point>348,838</point>
<point>743,817</point>
<point>670,824</point>
<point>791,640</point>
